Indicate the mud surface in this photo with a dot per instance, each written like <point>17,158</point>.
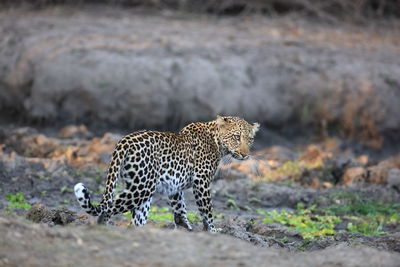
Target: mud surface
<point>150,246</point>
<point>44,165</point>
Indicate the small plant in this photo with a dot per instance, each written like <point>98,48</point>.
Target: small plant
<point>255,186</point>
<point>193,217</point>
<point>365,226</point>
<point>230,203</point>
<point>66,201</point>
<point>254,200</point>
<point>248,208</point>
<point>284,239</point>
<point>218,216</point>
<point>78,173</point>
<point>17,201</point>
<point>65,189</point>
<point>227,195</point>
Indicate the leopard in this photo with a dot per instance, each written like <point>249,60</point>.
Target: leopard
<point>150,162</point>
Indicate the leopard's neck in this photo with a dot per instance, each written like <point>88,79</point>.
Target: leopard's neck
<point>211,128</point>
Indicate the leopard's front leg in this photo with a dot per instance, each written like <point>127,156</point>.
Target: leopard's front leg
<point>202,193</point>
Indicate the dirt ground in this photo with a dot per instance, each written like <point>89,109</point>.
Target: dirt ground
<point>44,165</point>
<point>25,244</point>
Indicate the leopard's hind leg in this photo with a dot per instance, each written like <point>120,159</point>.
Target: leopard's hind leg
<point>139,211</point>
<point>139,174</point>
<point>139,215</point>
<point>177,203</point>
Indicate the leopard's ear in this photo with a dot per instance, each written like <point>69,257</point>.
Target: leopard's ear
<point>221,120</point>
<point>255,128</point>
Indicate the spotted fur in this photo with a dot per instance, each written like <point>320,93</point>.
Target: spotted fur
<point>150,161</point>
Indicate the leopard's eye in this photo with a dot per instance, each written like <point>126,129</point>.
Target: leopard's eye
<point>237,137</point>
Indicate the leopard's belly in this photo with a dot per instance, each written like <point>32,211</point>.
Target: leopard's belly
<point>170,185</point>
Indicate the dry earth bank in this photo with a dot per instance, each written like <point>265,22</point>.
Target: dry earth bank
<point>109,66</point>
<point>25,244</point>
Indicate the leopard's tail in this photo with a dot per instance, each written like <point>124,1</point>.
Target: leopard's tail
<point>83,197</point>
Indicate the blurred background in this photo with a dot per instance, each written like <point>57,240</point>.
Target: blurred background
<point>321,77</point>
<point>320,66</point>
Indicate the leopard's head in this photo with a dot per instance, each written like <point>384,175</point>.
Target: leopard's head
<point>236,135</point>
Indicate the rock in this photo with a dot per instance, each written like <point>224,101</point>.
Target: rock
<point>394,178</point>
<point>276,153</point>
<point>353,176</point>
<point>378,174</point>
<point>314,155</point>
<point>40,214</point>
<point>73,131</point>
<point>391,241</point>
<point>363,159</point>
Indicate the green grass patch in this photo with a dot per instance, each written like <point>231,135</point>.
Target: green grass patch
<point>361,214</point>
<point>163,215</point>
<point>309,225</point>
<point>17,201</point>
<point>65,189</point>
<point>193,217</point>
<point>66,202</point>
<point>365,215</point>
<point>230,203</point>
<point>254,200</point>
<point>160,215</point>
<point>366,226</point>
<point>344,203</point>
<point>78,173</point>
